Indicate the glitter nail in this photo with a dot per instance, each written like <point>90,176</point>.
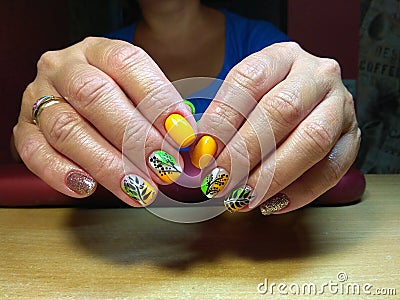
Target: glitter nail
<point>80,183</point>
<point>274,204</point>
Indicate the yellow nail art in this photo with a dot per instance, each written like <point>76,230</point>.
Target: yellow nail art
<point>138,189</point>
<point>239,198</point>
<point>179,129</point>
<point>204,152</point>
<point>165,166</point>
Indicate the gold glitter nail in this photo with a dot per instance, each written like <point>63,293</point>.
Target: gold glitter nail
<point>274,204</point>
<point>80,183</point>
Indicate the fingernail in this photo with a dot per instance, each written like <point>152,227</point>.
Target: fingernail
<point>138,189</point>
<point>165,166</point>
<point>190,105</point>
<point>274,204</point>
<point>179,130</point>
<point>204,151</point>
<point>214,182</point>
<point>80,183</point>
<point>239,198</point>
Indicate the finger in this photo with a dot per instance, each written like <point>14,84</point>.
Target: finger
<point>243,87</point>
<point>283,107</point>
<point>280,76</point>
<point>55,169</point>
<point>318,179</point>
<point>96,94</point>
<point>117,121</point>
<point>307,146</point>
<point>68,133</point>
<point>312,140</point>
<point>142,80</point>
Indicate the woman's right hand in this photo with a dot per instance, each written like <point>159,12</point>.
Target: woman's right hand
<point>109,87</point>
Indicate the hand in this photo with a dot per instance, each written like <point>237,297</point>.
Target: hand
<point>79,143</point>
<point>311,118</point>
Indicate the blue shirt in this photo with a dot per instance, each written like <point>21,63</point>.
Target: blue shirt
<point>243,37</point>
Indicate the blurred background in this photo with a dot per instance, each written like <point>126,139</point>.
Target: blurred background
<point>330,29</point>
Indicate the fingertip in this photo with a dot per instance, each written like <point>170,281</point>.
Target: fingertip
<point>138,189</point>
<point>180,129</point>
<point>167,168</point>
<point>80,183</point>
<point>203,152</point>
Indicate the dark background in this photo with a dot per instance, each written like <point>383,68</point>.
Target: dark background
<point>30,28</point>
<point>95,17</point>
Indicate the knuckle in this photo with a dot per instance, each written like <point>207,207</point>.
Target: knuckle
<point>87,87</point>
<point>123,56</point>
<point>318,137</point>
<point>63,126</point>
<point>348,97</point>
<point>134,61</point>
<point>348,106</point>
<point>222,120</point>
<point>329,67</point>
<point>29,92</point>
<point>49,60</point>
<point>250,74</point>
<point>157,100</point>
<point>89,40</point>
<point>239,154</point>
<point>358,136</point>
<point>285,108</point>
<point>290,48</point>
<point>291,45</point>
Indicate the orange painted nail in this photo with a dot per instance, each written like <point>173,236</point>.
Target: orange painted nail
<point>204,151</point>
<point>179,130</point>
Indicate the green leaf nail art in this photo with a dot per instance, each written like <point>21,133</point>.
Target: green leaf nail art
<point>165,166</point>
<point>239,198</point>
<point>214,182</point>
<point>138,189</point>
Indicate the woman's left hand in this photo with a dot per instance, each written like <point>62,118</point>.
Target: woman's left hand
<point>311,140</point>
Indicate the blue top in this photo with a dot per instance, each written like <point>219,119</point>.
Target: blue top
<point>243,37</point>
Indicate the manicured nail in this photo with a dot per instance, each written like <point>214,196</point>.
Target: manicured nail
<point>239,198</point>
<point>190,105</point>
<point>204,151</point>
<point>165,166</point>
<point>179,130</point>
<point>214,182</point>
<point>274,204</point>
<point>80,183</point>
<point>138,189</point>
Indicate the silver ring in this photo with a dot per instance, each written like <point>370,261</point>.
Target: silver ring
<point>41,104</point>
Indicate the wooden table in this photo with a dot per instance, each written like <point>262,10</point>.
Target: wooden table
<point>67,253</point>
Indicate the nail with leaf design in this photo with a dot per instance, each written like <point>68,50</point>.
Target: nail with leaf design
<point>165,166</point>
<point>138,189</point>
<point>214,182</point>
<point>239,198</point>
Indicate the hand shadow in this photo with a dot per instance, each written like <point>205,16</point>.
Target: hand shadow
<point>135,236</point>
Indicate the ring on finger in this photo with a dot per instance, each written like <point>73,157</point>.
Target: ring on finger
<point>41,104</point>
